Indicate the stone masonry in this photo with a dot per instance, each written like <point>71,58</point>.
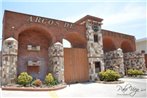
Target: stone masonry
<point>95,49</point>
<point>56,61</point>
<point>36,34</point>
<point>9,61</point>
<point>134,60</point>
<point>114,60</point>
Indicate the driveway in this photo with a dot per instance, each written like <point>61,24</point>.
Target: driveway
<point>132,88</point>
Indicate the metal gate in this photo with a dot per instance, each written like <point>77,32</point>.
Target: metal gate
<point>75,65</point>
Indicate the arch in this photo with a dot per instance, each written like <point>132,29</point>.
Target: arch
<point>77,40</point>
<point>39,40</point>
<point>108,44</point>
<point>126,46</point>
<point>66,43</point>
<point>34,26</point>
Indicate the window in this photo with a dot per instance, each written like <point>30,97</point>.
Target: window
<point>95,38</point>
<point>97,67</point>
<point>142,51</point>
<point>33,48</point>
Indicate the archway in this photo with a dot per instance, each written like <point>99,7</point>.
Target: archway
<point>76,40</point>
<point>33,52</point>
<point>108,45</point>
<point>126,47</point>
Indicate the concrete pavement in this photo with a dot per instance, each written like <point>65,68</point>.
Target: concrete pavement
<point>132,88</point>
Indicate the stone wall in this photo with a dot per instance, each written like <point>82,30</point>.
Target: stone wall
<point>134,60</point>
<point>94,48</point>
<point>56,61</point>
<point>114,60</point>
<point>146,60</point>
<point>9,61</point>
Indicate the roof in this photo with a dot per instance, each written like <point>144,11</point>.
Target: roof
<point>142,39</point>
<point>104,30</point>
<point>10,39</point>
<point>90,18</point>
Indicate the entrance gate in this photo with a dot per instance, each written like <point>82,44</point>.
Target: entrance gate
<point>75,65</point>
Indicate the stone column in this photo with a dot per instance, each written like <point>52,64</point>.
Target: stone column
<point>56,61</point>
<point>114,60</point>
<point>9,61</point>
<point>94,47</point>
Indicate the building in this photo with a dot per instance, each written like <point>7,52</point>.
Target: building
<point>33,44</point>
<point>141,46</point>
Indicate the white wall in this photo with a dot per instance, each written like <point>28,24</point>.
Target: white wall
<point>141,45</point>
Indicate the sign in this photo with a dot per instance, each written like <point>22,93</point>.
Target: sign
<point>49,21</point>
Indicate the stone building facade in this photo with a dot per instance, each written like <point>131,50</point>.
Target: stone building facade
<point>134,60</point>
<point>56,60</point>
<point>94,48</point>
<point>34,44</point>
<point>9,60</point>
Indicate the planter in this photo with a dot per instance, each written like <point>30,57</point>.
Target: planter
<point>43,88</point>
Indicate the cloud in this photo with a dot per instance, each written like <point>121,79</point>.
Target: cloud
<point>127,14</point>
<point>114,13</point>
<point>120,17</point>
<point>73,0</point>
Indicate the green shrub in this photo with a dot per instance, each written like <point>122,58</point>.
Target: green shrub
<point>101,75</point>
<point>130,72</point>
<point>134,72</point>
<point>109,75</point>
<point>24,79</point>
<point>37,82</point>
<point>49,80</point>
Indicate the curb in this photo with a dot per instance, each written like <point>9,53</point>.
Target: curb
<point>33,89</point>
<point>114,82</point>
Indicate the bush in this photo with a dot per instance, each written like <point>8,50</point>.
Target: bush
<point>49,80</point>
<point>134,72</point>
<point>109,75</point>
<point>37,82</point>
<point>24,79</point>
<point>101,75</point>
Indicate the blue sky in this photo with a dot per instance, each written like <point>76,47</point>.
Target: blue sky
<point>125,16</point>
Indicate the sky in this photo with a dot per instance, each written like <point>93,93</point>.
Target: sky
<point>124,16</point>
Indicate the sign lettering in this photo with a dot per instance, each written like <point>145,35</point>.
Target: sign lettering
<point>31,19</point>
<point>67,25</point>
<point>49,22</point>
<point>38,19</point>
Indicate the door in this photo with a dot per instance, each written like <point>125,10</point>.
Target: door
<point>97,67</point>
<point>75,65</point>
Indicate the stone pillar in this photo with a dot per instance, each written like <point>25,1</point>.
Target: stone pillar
<point>9,61</point>
<point>56,61</point>
<point>95,48</point>
<point>114,60</point>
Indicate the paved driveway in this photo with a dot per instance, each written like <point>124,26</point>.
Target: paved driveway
<point>132,88</point>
